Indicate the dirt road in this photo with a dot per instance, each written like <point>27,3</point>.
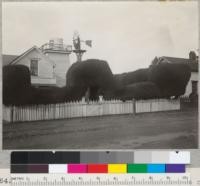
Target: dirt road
<point>175,129</point>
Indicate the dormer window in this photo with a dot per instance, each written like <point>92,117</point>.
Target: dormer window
<point>34,67</point>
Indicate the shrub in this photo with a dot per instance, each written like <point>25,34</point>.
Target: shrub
<point>170,78</point>
<point>51,95</point>
<point>48,95</point>
<point>141,90</point>
<point>74,93</point>
<point>16,85</point>
<point>93,74</point>
<point>128,78</point>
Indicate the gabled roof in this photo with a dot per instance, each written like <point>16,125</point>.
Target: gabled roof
<point>6,59</point>
<point>27,52</point>
<point>193,64</point>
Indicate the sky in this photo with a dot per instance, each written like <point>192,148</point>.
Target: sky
<point>128,35</point>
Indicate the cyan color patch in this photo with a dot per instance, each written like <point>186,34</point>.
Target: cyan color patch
<point>156,168</point>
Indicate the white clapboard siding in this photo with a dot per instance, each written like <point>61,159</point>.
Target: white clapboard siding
<point>83,109</point>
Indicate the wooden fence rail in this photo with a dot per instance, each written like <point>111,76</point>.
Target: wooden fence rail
<point>83,109</point>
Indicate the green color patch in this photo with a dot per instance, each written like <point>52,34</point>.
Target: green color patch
<point>137,168</point>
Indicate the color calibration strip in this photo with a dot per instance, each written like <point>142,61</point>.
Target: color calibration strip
<point>99,162</point>
<point>98,168</point>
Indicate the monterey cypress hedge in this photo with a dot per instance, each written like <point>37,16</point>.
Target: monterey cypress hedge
<point>159,80</point>
<point>141,90</point>
<point>128,78</point>
<point>93,74</point>
<point>170,78</point>
<point>48,95</point>
<point>16,85</point>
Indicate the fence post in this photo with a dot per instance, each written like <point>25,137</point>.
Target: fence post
<point>134,106</point>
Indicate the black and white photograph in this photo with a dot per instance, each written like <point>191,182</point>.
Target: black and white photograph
<point>100,75</point>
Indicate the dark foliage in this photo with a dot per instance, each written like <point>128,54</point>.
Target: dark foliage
<point>74,93</point>
<point>155,61</point>
<point>95,77</point>
<point>51,95</point>
<point>17,89</point>
<point>170,78</point>
<point>93,74</point>
<point>16,85</point>
<point>141,90</point>
<point>48,95</point>
<point>192,55</point>
<point>128,78</point>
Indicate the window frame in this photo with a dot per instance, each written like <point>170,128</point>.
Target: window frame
<point>34,69</point>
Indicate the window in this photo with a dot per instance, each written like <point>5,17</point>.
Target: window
<point>34,67</point>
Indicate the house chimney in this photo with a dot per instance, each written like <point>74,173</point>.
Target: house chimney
<point>192,56</point>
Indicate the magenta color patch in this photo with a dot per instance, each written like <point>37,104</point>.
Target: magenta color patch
<point>77,168</point>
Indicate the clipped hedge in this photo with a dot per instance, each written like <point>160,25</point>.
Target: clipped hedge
<point>51,95</point>
<point>48,95</point>
<point>93,74</point>
<point>171,79</point>
<point>159,80</point>
<point>141,90</point>
<point>74,93</point>
<point>124,79</point>
<point>16,85</point>
<point>17,89</point>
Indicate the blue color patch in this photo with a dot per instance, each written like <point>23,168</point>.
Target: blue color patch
<point>156,168</point>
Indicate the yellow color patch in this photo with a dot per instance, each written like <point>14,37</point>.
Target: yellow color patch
<point>117,168</point>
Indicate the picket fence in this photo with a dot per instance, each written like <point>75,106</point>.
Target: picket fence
<point>156,105</point>
<point>83,109</point>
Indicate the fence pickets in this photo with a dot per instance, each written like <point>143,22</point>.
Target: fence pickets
<point>83,109</point>
<point>156,105</point>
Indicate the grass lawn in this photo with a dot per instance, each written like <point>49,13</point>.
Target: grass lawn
<point>174,129</point>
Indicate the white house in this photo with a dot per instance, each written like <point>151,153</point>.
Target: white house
<point>41,67</point>
<point>192,62</point>
<point>48,64</point>
<point>59,54</point>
